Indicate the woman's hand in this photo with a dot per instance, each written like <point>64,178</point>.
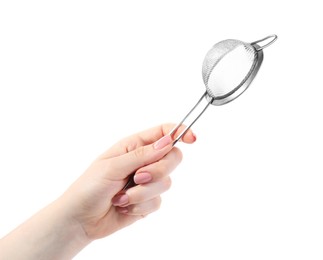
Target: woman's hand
<point>96,200</point>
<point>96,204</point>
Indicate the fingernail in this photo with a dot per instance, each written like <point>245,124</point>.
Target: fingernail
<point>142,177</point>
<point>194,136</point>
<point>122,210</point>
<point>120,199</point>
<point>162,142</point>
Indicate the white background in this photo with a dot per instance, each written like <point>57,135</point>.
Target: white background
<point>76,76</point>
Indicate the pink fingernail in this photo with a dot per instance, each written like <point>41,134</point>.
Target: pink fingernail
<point>194,136</point>
<point>122,210</point>
<point>120,199</point>
<point>142,177</point>
<point>162,142</point>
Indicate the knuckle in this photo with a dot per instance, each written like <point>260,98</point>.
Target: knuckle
<point>139,152</point>
<point>167,183</point>
<point>127,144</point>
<point>162,169</point>
<point>106,166</point>
<point>157,203</point>
<point>135,209</point>
<point>179,154</point>
<point>146,207</point>
<point>140,196</point>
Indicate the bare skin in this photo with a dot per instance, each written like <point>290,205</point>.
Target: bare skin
<point>95,206</point>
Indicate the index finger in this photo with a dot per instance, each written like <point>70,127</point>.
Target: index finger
<point>146,137</point>
<point>152,135</point>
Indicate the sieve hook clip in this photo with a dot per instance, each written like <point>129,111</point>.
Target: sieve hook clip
<point>258,47</point>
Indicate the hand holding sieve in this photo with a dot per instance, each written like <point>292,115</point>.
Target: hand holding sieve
<point>228,70</point>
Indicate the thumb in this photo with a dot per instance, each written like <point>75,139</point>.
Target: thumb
<point>118,168</point>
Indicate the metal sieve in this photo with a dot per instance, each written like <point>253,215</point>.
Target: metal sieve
<point>228,70</point>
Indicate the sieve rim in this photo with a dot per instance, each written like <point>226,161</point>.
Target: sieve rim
<point>245,83</point>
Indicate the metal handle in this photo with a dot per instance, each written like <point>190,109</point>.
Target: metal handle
<point>194,120</point>
<point>130,183</point>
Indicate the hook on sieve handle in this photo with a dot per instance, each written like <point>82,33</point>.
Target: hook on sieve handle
<point>259,47</point>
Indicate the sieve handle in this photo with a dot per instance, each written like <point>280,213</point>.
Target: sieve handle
<point>131,183</point>
<point>194,120</point>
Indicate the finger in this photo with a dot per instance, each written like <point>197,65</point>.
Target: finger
<point>142,209</point>
<point>165,129</point>
<point>160,169</point>
<point>147,137</point>
<point>118,168</point>
<point>141,193</point>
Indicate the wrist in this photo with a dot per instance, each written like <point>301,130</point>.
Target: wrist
<point>49,234</point>
<point>69,230</point>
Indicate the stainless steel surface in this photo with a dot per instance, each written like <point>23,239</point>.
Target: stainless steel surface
<point>228,69</point>
<point>272,38</point>
<point>188,114</point>
<point>242,86</point>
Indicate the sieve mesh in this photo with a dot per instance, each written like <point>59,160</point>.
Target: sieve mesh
<point>226,67</point>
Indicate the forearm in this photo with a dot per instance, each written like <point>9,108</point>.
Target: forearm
<point>49,234</point>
